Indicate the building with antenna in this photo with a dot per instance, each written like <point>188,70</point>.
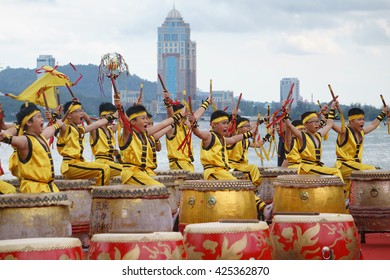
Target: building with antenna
<point>285,85</point>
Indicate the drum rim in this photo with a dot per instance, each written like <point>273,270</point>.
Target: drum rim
<point>38,244</point>
<point>276,171</point>
<point>137,237</point>
<point>218,228</point>
<point>310,180</point>
<point>212,185</point>
<point>366,175</point>
<point>19,200</point>
<point>74,184</point>
<point>130,191</point>
<point>320,218</point>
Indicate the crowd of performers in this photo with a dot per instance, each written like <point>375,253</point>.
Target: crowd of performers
<point>224,147</point>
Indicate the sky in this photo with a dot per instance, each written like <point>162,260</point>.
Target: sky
<point>245,46</point>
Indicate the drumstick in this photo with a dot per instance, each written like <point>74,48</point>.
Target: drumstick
<point>383,100</point>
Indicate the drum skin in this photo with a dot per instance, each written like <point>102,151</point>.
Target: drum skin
<point>53,248</point>
<point>266,189</point>
<point>137,246</point>
<point>228,241</point>
<point>127,208</point>
<point>315,237</point>
<point>33,215</point>
<point>309,193</point>
<point>205,201</point>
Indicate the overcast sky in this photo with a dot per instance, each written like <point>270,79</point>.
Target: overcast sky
<point>245,46</point>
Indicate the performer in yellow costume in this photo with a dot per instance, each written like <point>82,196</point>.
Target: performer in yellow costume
<point>134,145</point>
<point>310,142</point>
<point>180,159</point>
<point>70,145</point>
<point>349,144</point>
<point>238,153</point>
<point>292,148</point>
<point>35,162</point>
<point>103,141</point>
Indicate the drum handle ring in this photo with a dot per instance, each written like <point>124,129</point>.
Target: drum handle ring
<point>327,253</point>
<point>374,192</point>
<point>304,195</point>
<point>211,201</point>
<point>191,201</point>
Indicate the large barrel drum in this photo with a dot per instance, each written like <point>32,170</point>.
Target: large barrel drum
<point>79,195</point>
<point>29,215</point>
<point>205,201</point>
<point>309,193</point>
<point>137,246</point>
<point>370,200</point>
<point>128,208</point>
<point>315,237</point>
<point>51,248</point>
<point>228,241</point>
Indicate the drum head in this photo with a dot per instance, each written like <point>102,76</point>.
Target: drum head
<point>211,185</point>
<point>307,181</point>
<point>33,199</point>
<point>217,227</point>
<point>130,191</point>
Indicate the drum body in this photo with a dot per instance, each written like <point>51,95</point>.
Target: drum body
<point>315,237</point>
<point>170,183</point>
<point>79,195</point>
<point>309,193</point>
<point>228,241</point>
<point>33,215</point>
<point>370,200</point>
<point>205,201</point>
<point>266,189</point>
<point>127,208</point>
<point>41,249</point>
<point>137,246</point>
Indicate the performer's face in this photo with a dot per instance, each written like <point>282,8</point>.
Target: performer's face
<point>357,124</point>
<point>312,125</point>
<point>36,123</point>
<point>221,127</point>
<point>141,122</point>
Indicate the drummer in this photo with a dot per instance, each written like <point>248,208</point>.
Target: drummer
<point>179,160</point>
<point>132,139</point>
<point>310,142</point>
<point>292,148</point>
<point>35,162</point>
<point>349,144</point>
<point>102,139</point>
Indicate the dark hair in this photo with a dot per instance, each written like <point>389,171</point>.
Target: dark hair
<point>218,113</point>
<point>149,115</point>
<point>67,105</point>
<point>355,111</point>
<point>106,106</point>
<point>241,120</point>
<point>31,107</point>
<point>135,109</point>
<point>296,122</point>
<point>304,115</point>
<point>177,107</point>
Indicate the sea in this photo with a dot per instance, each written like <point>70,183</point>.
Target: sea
<point>375,152</point>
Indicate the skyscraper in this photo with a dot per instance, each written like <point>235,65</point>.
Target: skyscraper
<point>176,57</point>
<point>285,85</point>
<point>43,60</point>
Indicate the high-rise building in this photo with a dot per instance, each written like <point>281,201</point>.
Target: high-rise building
<point>43,60</point>
<point>176,57</point>
<point>285,85</point>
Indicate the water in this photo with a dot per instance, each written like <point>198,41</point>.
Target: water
<point>376,146</point>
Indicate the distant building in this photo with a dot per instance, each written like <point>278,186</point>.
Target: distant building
<point>176,57</point>
<point>44,60</point>
<point>221,98</point>
<point>285,85</point>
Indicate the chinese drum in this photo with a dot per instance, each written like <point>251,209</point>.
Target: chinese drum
<point>370,200</point>
<point>170,183</point>
<point>79,194</point>
<point>29,215</point>
<point>267,189</point>
<point>228,241</point>
<point>315,237</point>
<point>205,201</point>
<point>51,248</point>
<point>128,208</point>
<point>137,246</point>
<point>309,193</point>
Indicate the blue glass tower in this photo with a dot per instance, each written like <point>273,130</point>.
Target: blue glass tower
<point>176,57</point>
